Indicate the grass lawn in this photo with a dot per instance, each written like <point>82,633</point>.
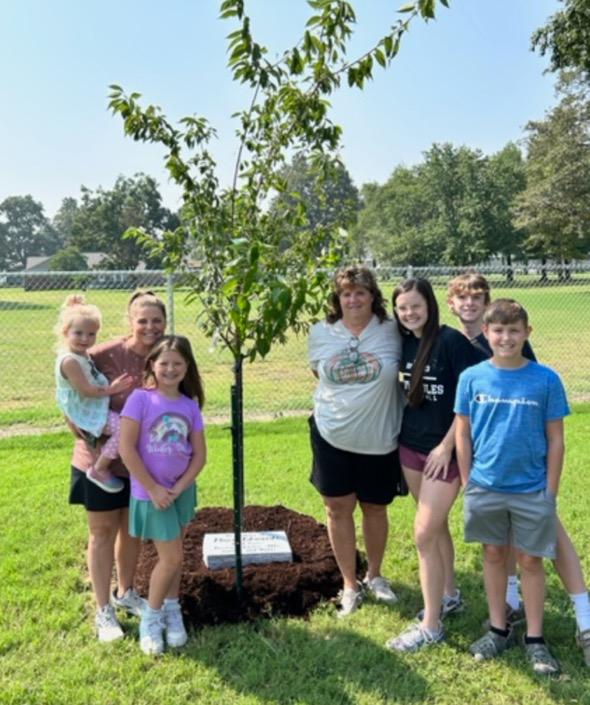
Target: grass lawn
<point>49,655</point>
<point>281,382</point>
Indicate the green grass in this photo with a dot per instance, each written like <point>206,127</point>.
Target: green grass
<point>49,656</point>
<point>560,316</point>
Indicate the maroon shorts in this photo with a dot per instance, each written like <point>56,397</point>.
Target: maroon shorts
<point>414,460</point>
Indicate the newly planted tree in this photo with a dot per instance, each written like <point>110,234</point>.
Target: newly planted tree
<point>252,285</point>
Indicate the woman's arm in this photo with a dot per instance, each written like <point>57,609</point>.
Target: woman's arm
<point>71,370</point>
<point>198,460</point>
<point>129,435</point>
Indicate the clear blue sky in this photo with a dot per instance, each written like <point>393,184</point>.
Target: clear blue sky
<point>467,78</point>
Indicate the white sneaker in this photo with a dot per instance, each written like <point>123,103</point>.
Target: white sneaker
<point>350,600</point>
<point>379,589</point>
<point>131,602</point>
<point>151,632</point>
<point>107,625</point>
<point>176,635</point>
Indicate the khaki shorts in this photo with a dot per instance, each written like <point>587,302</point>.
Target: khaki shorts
<point>525,521</point>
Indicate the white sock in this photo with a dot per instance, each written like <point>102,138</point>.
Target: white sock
<point>581,605</point>
<point>513,592</point>
<point>171,601</point>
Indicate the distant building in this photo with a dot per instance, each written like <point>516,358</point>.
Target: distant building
<point>41,264</point>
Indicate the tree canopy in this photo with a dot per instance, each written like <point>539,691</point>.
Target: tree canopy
<point>24,232</point>
<point>554,208</point>
<point>566,37</point>
<point>97,223</point>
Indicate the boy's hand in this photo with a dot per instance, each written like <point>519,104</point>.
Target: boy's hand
<point>437,462</point>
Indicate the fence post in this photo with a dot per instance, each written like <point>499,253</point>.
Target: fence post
<point>170,302</point>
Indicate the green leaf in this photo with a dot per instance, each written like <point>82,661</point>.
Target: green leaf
<point>410,7</point>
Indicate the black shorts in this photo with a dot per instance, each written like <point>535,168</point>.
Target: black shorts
<point>375,479</point>
<point>82,491</point>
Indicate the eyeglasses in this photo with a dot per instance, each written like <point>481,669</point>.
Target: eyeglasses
<point>353,349</point>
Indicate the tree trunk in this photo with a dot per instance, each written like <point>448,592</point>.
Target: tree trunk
<point>237,432</point>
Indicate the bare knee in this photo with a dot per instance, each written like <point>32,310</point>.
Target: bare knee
<point>530,564</point>
<point>102,536</point>
<point>339,508</point>
<point>373,511</point>
<point>426,534</point>
<point>495,555</point>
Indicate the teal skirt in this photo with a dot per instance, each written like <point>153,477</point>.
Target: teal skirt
<point>147,522</point>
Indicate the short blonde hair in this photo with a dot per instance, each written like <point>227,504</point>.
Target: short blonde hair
<point>74,307</point>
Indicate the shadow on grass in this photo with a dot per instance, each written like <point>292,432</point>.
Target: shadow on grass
<point>284,662</point>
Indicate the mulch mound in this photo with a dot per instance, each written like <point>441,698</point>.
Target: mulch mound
<point>209,596</point>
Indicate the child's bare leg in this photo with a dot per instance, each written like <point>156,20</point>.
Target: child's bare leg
<point>435,502</point>
<point>165,571</point>
<point>495,577</point>
<point>533,591</point>
<point>174,589</point>
<point>110,449</point>
<point>567,563</point>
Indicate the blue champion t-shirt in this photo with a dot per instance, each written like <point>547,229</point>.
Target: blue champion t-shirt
<point>508,410</point>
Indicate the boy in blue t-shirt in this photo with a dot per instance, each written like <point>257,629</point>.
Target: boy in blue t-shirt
<point>509,444</point>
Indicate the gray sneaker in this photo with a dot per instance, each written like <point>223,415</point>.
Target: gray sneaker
<point>379,589</point>
<point>451,604</point>
<point>176,635</point>
<point>541,659</point>
<point>491,645</point>
<point>107,625</point>
<point>583,641</point>
<point>131,602</point>
<point>350,600</point>
<point>415,637</point>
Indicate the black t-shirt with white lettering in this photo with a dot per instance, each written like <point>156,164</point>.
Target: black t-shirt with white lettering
<point>425,426</point>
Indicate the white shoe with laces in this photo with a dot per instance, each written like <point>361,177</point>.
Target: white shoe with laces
<point>107,625</point>
<point>151,632</point>
<point>176,635</point>
<point>379,589</point>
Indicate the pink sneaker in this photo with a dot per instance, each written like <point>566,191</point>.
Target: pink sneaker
<point>105,480</point>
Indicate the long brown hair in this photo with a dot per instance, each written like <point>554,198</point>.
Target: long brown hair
<point>430,332</point>
<point>192,384</point>
<point>352,277</point>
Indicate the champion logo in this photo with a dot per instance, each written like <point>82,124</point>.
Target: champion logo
<point>482,398</point>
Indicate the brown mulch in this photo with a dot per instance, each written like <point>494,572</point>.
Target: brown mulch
<point>209,596</point>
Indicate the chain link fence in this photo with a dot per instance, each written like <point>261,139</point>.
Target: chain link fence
<point>556,297</point>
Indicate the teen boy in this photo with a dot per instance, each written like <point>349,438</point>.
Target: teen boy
<point>509,444</point>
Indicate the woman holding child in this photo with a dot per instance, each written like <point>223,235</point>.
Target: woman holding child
<point>354,353</point>
<point>107,512</point>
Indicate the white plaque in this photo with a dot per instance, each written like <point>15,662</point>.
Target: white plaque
<point>257,547</point>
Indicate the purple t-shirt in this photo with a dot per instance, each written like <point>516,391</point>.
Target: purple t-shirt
<point>165,426</point>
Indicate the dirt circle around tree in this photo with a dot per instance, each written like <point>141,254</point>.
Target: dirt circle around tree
<point>294,589</point>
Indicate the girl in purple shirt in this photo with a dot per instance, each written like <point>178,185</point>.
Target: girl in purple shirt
<point>163,446</point>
